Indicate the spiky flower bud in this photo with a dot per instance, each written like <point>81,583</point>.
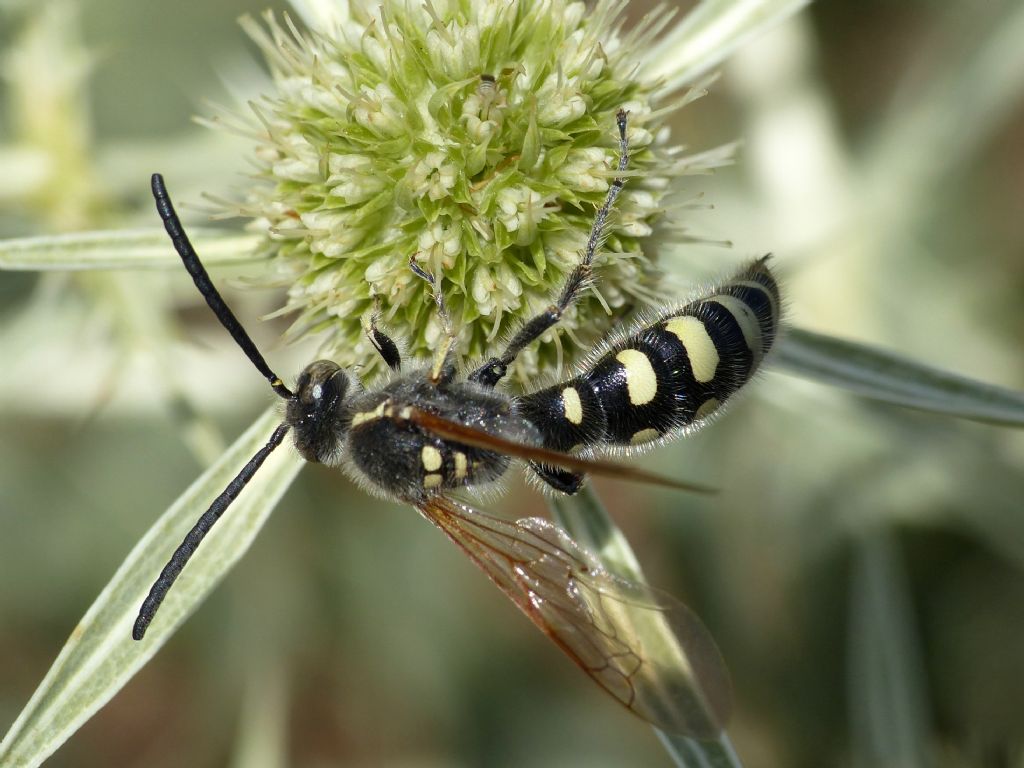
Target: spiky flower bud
<point>477,138</point>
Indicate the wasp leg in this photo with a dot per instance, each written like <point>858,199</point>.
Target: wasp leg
<point>443,366</point>
<point>383,343</point>
<point>560,479</point>
<point>492,371</point>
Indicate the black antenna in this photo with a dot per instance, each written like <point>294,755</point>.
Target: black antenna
<point>184,552</point>
<point>190,259</point>
<point>188,547</point>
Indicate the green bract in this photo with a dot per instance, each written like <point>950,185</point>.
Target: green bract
<point>475,137</point>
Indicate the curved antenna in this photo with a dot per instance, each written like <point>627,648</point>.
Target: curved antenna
<point>201,278</point>
<point>191,542</point>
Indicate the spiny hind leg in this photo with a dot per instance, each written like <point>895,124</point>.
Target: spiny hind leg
<point>443,367</point>
<point>562,480</point>
<point>492,371</point>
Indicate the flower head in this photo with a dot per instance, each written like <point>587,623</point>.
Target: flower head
<point>477,138</point>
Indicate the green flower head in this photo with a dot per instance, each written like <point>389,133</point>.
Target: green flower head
<point>477,138</point>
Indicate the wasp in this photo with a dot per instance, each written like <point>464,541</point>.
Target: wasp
<point>428,431</point>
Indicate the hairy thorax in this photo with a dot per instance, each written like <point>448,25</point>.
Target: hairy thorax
<point>399,458</point>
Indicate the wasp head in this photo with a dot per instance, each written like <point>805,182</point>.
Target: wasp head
<point>317,412</point>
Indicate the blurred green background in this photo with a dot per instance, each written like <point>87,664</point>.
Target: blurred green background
<point>862,569</point>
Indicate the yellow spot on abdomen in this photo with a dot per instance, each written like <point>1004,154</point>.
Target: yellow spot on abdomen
<point>460,465</point>
<point>708,407</point>
<point>431,458</point>
<point>641,381</point>
<point>431,481</point>
<point>699,345</point>
<point>572,406</point>
<point>644,436</point>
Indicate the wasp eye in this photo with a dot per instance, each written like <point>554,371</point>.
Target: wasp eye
<point>321,383</point>
<point>332,389</point>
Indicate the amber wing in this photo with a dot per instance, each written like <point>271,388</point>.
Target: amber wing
<point>643,647</point>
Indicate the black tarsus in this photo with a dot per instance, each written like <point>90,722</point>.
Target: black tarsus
<point>491,372</point>
<point>384,344</point>
<point>190,259</point>
<point>562,480</point>
<point>191,542</point>
<point>385,347</point>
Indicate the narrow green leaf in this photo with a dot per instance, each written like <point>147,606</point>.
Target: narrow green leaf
<point>122,249</point>
<point>887,692</point>
<point>690,753</point>
<point>100,657</point>
<point>585,519</point>
<point>887,376</point>
<point>262,738</point>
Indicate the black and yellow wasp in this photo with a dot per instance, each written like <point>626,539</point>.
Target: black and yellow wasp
<point>427,432</point>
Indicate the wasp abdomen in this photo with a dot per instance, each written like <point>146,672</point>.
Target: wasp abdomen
<point>569,415</point>
<point>667,375</point>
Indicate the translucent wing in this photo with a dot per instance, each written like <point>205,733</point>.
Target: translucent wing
<point>643,647</point>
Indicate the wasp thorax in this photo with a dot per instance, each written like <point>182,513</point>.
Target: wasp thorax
<point>316,412</point>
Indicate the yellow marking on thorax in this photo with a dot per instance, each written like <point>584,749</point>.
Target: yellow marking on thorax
<point>644,436</point>
<point>431,458</point>
<point>572,406</point>
<point>699,345</point>
<point>389,412</point>
<point>364,416</point>
<point>460,465</point>
<point>708,407</point>
<point>747,321</point>
<point>641,381</point>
